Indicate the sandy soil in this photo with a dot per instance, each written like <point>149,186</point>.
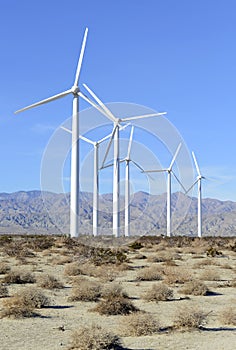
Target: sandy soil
<point>53,328</point>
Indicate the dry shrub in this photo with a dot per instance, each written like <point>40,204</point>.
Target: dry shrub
<point>17,250</point>
<point>151,273</point>
<point>72,269</point>
<point>205,262</point>
<point>139,324</point>
<point>12,308</point>
<point>86,291</point>
<point>4,268</point>
<point>113,290</point>
<point>228,316</point>
<point>159,292</point>
<point>189,318</point>
<point>95,338</point>
<point>33,297</point>
<point>3,291</point>
<point>105,274</point>
<point>19,277</point>
<point>61,260</point>
<point>115,306</point>
<point>49,282</point>
<point>210,275</point>
<point>194,288</point>
<point>175,275</point>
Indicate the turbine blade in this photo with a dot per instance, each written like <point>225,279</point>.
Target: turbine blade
<point>130,143</point>
<point>84,97</point>
<point>87,140</point>
<point>175,156</point>
<point>109,145</point>
<point>191,186</point>
<point>138,166</point>
<point>109,114</point>
<point>106,166</point>
<point>143,116</point>
<point>80,58</point>
<point>67,130</point>
<point>177,179</point>
<point>46,100</point>
<point>156,171</point>
<point>141,169</point>
<point>196,164</point>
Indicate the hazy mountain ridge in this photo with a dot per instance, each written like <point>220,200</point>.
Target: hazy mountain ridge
<point>47,213</point>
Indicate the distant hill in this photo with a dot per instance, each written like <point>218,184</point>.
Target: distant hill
<point>36,212</point>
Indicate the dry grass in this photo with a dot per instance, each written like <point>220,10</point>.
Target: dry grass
<point>139,324</point>
<point>228,316</point>
<point>3,291</point>
<point>86,291</point>
<point>94,338</point>
<point>49,282</point>
<point>113,290</point>
<point>19,277</point>
<point>151,273</point>
<point>72,269</point>
<point>4,268</point>
<point>159,292</point>
<point>194,287</point>
<point>115,306</point>
<point>12,308</point>
<point>33,297</point>
<point>210,275</point>
<point>176,275</point>
<point>24,302</point>
<point>189,318</point>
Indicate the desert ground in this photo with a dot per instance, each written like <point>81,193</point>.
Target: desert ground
<point>145,293</point>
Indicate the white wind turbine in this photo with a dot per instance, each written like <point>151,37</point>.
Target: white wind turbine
<point>96,145</point>
<point>127,161</point>
<point>75,91</point>
<point>116,166</point>
<point>199,206</point>
<point>168,192</point>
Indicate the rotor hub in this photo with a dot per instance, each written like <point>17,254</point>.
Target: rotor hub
<point>75,89</point>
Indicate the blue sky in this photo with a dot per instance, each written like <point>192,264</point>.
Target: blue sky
<point>168,55</point>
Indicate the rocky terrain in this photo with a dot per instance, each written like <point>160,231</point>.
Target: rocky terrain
<point>48,213</point>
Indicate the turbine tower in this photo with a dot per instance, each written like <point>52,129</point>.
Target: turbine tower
<point>169,171</point>
<point>75,183</point>
<point>199,182</point>
<point>116,166</point>
<point>96,145</point>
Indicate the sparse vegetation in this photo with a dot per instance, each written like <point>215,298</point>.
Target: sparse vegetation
<point>3,291</point>
<point>176,275</point>
<point>194,288</point>
<point>118,290</point>
<point>159,292</point>
<point>95,338</point>
<point>139,324</point>
<point>189,318</point>
<point>49,282</point>
<point>228,316</point>
<point>115,306</point>
<point>151,273</point>
<point>19,277</point>
<point>86,291</point>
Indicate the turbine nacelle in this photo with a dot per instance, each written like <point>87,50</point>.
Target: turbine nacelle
<point>75,90</point>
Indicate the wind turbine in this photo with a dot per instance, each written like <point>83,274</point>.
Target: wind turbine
<point>168,192</point>
<point>116,166</point>
<point>75,91</point>
<point>199,206</point>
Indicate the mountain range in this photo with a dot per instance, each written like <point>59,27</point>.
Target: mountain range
<point>36,212</point>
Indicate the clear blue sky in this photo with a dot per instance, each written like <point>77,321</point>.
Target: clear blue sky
<point>168,55</point>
